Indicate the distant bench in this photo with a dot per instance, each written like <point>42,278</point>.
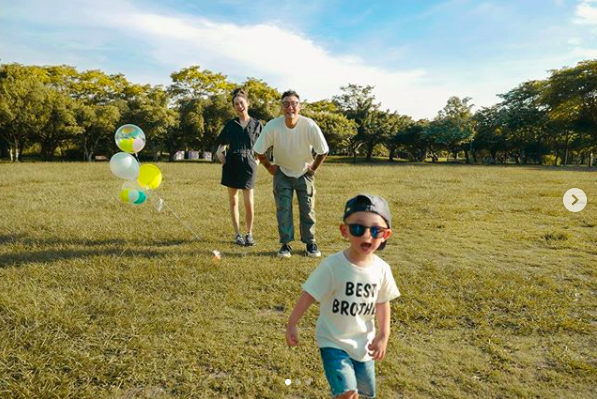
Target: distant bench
<point>101,158</point>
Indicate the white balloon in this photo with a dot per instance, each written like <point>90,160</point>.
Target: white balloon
<point>124,165</point>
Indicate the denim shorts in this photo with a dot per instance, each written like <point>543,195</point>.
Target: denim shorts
<point>345,374</point>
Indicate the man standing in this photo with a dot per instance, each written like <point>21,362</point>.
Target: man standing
<point>293,139</point>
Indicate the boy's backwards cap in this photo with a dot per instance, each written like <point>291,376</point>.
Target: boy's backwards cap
<point>368,203</point>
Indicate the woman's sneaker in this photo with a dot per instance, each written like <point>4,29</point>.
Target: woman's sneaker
<point>285,251</point>
<point>239,240</point>
<point>249,242</point>
<point>313,251</point>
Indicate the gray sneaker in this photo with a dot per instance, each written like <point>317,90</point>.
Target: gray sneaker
<point>249,241</point>
<point>239,240</point>
<point>313,251</point>
<point>285,251</point>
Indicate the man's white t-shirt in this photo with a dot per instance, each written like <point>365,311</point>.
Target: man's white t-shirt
<point>347,295</point>
<point>292,147</point>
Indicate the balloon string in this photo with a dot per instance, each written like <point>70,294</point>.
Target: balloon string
<point>170,209</point>
<point>123,251</point>
<point>185,224</point>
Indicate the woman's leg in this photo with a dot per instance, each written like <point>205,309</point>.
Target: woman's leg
<point>249,209</point>
<point>233,202</point>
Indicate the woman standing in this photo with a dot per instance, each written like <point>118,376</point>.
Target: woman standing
<point>239,168</point>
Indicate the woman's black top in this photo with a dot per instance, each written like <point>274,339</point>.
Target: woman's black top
<point>240,168</point>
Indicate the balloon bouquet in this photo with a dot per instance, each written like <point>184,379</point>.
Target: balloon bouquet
<point>139,178</point>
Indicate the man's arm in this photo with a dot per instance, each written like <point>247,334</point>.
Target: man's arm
<point>271,168</point>
<point>316,163</point>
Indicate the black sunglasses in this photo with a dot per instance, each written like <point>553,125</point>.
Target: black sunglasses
<point>287,104</point>
<point>358,230</point>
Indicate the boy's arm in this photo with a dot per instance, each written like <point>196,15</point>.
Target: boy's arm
<point>303,303</point>
<point>377,347</point>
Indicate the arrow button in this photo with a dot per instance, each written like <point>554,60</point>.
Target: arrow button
<point>575,200</point>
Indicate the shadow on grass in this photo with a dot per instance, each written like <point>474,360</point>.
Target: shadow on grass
<point>243,252</point>
<point>18,259</point>
<point>24,240</point>
<point>90,248</point>
<point>7,238</point>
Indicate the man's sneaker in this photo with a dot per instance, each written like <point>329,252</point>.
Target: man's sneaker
<point>313,251</point>
<point>285,251</point>
<point>249,240</point>
<point>239,240</point>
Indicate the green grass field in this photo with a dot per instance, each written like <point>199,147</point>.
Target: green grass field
<point>101,299</point>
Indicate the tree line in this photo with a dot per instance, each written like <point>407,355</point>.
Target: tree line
<point>58,111</point>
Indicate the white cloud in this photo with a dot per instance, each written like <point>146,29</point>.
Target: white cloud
<point>585,53</point>
<point>586,13</point>
<point>575,41</point>
<point>148,44</point>
<point>283,58</point>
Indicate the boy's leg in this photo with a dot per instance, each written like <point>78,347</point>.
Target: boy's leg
<point>305,192</point>
<point>283,196</point>
<point>339,372</point>
<point>365,374</point>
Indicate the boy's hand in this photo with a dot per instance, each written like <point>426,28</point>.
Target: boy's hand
<point>291,335</point>
<point>377,347</point>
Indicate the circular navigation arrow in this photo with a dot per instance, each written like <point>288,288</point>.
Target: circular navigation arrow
<point>575,200</point>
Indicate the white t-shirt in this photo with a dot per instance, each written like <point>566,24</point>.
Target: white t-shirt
<point>292,147</point>
<point>347,295</point>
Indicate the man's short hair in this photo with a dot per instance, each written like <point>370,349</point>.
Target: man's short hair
<point>289,93</point>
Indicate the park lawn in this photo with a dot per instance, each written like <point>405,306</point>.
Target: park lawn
<point>101,299</point>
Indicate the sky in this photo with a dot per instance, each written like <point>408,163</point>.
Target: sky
<point>416,53</point>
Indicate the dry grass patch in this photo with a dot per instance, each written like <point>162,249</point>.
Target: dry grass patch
<point>99,299</point>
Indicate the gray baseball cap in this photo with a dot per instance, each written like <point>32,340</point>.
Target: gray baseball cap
<point>369,203</point>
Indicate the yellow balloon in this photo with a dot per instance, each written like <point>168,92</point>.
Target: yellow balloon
<point>150,176</point>
<point>126,145</point>
<point>124,195</point>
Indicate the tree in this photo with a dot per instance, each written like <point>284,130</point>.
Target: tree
<point>571,94</point>
<point>453,126</point>
<point>337,129</point>
<point>377,128</point>
<point>264,101</point>
<point>194,83</point>
<point>526,121</point>
<point>322,106</point>
<point>410,138</point>
<point>357,103</point>
<point>22,97</point>
<point>216,111</point>
<point>393,139</point>
<point>60,122</point>
<point>489,124</point>
<point>151,112</point>
<point>98,122</point>
<point>191,123</point>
